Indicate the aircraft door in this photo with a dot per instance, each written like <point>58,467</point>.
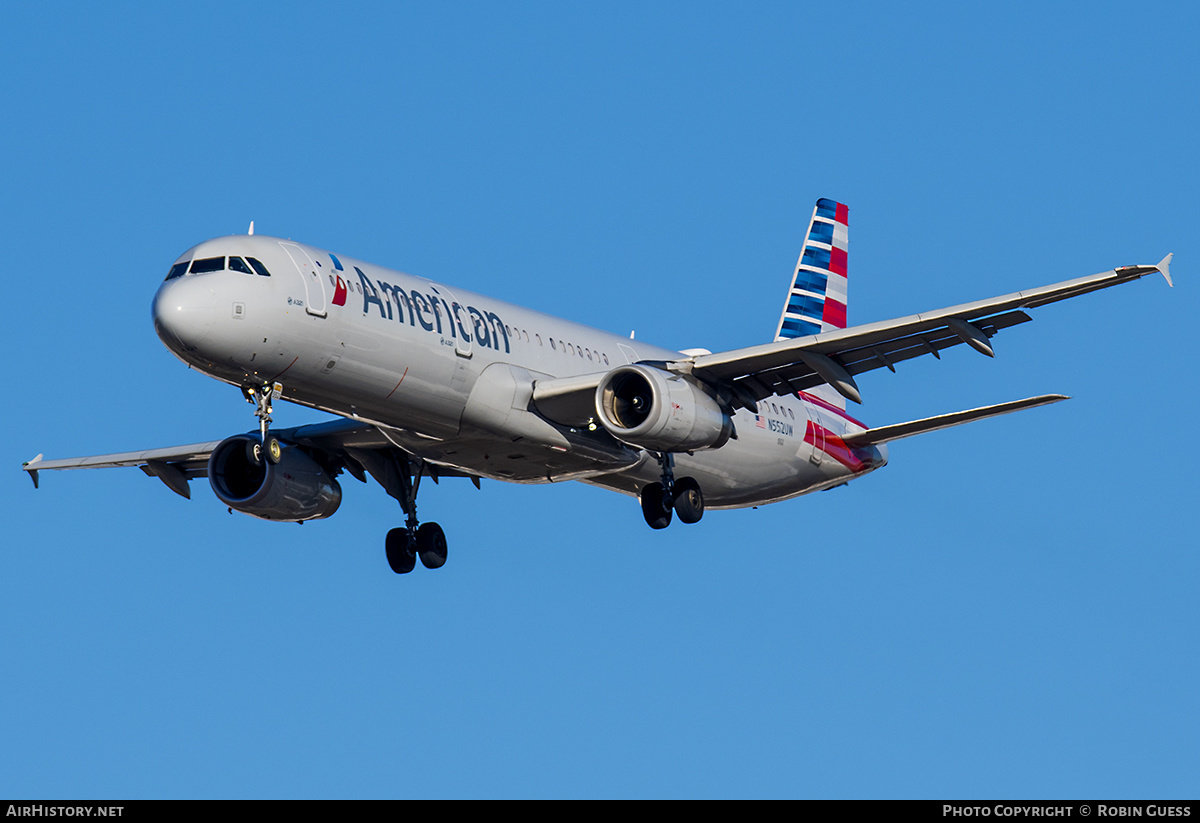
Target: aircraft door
<point>314,288</point>
<point>459,321</point>
<point>814,435</point>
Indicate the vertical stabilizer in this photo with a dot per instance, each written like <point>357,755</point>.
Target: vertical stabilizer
<point>816,301</point>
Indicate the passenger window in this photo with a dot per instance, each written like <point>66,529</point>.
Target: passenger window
<point>258,267</point>
<point>208,264</point>
<point>238,264</point>
<point>178,270</point>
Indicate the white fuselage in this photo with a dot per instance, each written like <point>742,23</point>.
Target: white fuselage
<point>448,375</point>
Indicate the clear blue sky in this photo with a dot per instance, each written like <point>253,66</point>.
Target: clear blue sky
<point>1008,609</point>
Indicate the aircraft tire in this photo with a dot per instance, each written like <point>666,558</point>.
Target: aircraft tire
<point>254,452</point>
<point>274,450</point>
<point>689,500</point>
<point>431,545</point>
<point>400,554</point>
<point>658,515</point>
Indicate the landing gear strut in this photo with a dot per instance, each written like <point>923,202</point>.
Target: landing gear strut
<point>682,496</point>
<point>261,397</point>
<point>425,540</point>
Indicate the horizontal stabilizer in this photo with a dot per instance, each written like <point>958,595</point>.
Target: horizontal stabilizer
<point>884,434</point>
<point>1164,266</point>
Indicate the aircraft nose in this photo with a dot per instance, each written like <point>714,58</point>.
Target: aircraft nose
<point>184,311</point>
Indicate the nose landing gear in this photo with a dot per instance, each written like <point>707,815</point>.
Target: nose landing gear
<point>261,397</point>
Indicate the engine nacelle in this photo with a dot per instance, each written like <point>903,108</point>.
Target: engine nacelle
<point>661,411</point>
<point>296,488</point>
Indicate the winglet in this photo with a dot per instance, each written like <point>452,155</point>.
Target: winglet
<point>1164,267</point>
<point>31,467</point>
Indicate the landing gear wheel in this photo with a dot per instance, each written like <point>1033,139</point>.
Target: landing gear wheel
<point>274,451</point>
<point>401,554</point>
<point>254,452</point>
<point>654,508</point>
<point>689,500</point>
<point>405,545</point>
<point>431,545</point>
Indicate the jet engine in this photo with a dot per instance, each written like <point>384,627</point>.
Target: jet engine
<point>661,411</point>
<point>295,488</point>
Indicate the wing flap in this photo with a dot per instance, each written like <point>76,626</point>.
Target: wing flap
<point>800,376</point>
<point>781,367</point>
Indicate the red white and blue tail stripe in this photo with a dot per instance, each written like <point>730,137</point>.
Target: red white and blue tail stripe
<point>817,299</point>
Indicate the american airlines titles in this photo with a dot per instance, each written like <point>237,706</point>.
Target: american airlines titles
<point>433,312</point>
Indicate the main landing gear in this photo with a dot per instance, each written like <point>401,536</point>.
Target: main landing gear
<point>404,546</point>
<point>425,540</point>
<point>683,496</point>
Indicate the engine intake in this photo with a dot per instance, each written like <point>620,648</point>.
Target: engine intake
<point>661,411</point>
<point>295,489</point>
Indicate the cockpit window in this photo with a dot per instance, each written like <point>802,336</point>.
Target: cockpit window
<point>238,264</point>
<point>258,267</point>
<point>208,264</point>
<point>178,270</point>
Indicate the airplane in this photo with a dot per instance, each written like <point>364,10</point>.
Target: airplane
<point>432,381</point>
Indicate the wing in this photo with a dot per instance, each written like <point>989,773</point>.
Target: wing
<point>174,465</point>
<point>834,357</point>
<point>359,448</point>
